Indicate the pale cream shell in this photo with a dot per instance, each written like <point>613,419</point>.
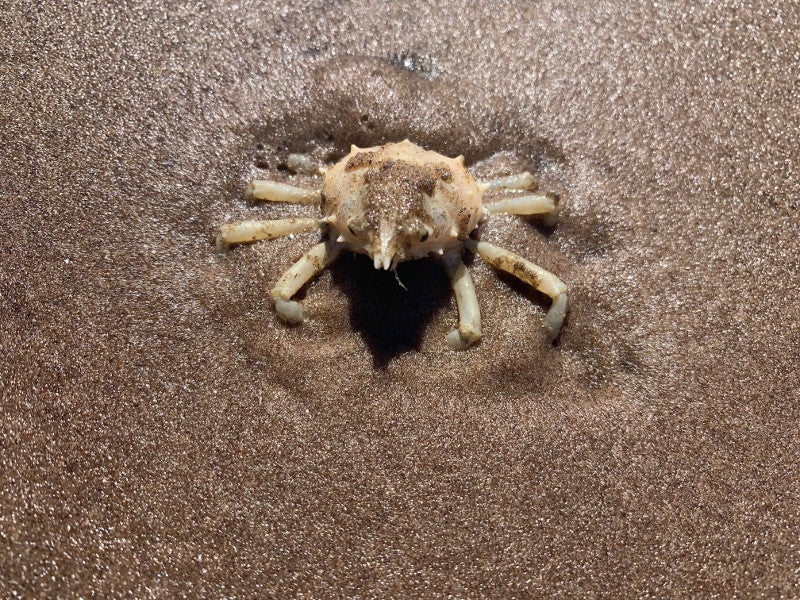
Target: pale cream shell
<point>456,203</point>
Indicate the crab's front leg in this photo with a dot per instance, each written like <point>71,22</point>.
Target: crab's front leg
<point>312,263</point>
<point>532,274</point>
<point>469,313</point>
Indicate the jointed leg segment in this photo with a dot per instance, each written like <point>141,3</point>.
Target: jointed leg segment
<point>533,275</point>
<point>469,312</point>
<point>253,230</point>
<point>263,189</point>
<point>312,263</point>
<point>534,204</point>
<point>518,181</point>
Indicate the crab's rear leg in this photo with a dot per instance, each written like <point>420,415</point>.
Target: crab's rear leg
<point>532,274</point>
<point>469,313</point>
<point>533,204</point>
<point>518,181</point>
<point>301,163</point>
<point>545,205</point>
<point>311,263</point>
<point>253,230</point>
<point>274,191</point>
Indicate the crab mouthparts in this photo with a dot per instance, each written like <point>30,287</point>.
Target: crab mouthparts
<point>385,247</point>
<point>382,261</point>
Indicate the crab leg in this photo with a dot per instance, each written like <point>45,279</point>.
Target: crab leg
<point>252,230</point>
<point>469,313</point>
<point>519,181</point>
<point>300,163</point>
<point>523,269</point>
<point>311,263</point>
<point>535,204</point>
<point>263,189</point>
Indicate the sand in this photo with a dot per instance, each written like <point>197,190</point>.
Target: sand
<point>163,434</point>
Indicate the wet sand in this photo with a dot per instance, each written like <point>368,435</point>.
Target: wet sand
<point>164,434</point>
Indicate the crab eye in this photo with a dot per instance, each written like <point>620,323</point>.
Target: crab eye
<point>357,225</point>
<point>426,185</point>
<point>425,235</point>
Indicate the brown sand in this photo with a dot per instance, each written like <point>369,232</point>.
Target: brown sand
<point>162,434</point>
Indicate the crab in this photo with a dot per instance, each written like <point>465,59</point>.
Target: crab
<point>400,202</point>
